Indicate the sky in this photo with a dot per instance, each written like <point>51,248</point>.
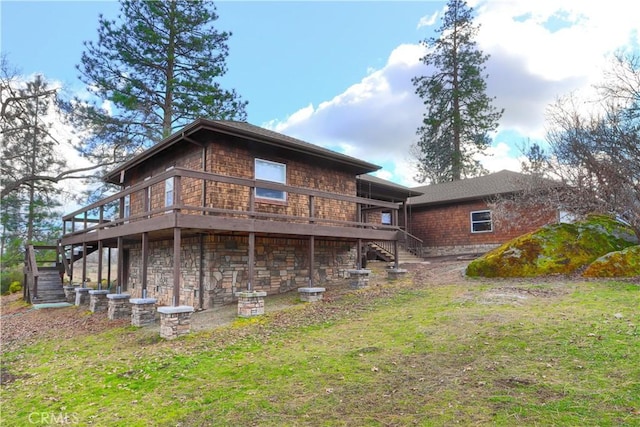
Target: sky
<point>338,74</point>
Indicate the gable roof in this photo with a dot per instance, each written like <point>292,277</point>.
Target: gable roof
<point>245,131</point>
<point>377,188</point>
<point>482,187</point>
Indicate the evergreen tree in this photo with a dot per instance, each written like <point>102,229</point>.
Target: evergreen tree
<point>157,67</point>
<point>30,164</point>
<point>459,114</point>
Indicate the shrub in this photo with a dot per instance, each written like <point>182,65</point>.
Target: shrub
<point>8,276</point>
<point>15,287</point>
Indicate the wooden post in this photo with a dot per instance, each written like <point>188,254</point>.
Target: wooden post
<point>252,248</point>
<point>176,266</point>
<point>120,274</point>
<point>145,262</point>
<point>109,265</point>
<point>359,255</point>
<point>84,263</point>
<point>395,254</point>
<point>100,219</point>
<point>312,256</point>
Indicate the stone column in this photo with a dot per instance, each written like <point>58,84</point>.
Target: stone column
<point>119,306</point>
<point>250,303</point>
<point>175,321</point>
<point>70,294</point>
<point>395,273</point>
<point>82,296</point>
<point>359,278</point>
<point>143,311</point>
<point>98,300</point>
<point>311,294</point>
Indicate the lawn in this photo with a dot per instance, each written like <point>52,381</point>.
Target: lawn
<point>412,352</point>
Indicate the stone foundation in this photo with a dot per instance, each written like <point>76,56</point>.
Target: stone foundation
<point>396,273</point>
<point>82,296</point>
<point>359,278</point>
<point>70,294</point>
<point>143,311</point>
<point>119,306</point>
<point>311,294</point>
<point>175,321</point>
<point>281,265</point>
<point>250,303</point>
<point>98,300</point>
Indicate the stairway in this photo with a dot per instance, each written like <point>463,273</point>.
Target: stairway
<point>404,256</point>
<point>50,288</point>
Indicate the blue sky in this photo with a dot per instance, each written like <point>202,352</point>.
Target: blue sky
<point>338,74</point>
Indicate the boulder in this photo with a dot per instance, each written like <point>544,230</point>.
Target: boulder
<point>555,249</point>
<point>624,263</point>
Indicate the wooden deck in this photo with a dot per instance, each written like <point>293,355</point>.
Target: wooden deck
<point>91,224</point>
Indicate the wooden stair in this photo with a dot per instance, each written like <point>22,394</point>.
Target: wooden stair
<point>50,288</point>
<point>404,256</point>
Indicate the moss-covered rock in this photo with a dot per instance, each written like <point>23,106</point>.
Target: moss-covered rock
<point>624,263</point>
<point>555,249</point>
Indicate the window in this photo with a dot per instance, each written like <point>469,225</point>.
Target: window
<point>126,213</point>
<point>168,192</point>
<point>271,171</point>
<point>386,218</point>
<point>481,222</point>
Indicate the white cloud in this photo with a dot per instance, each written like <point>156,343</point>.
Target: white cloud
<point>538,51</point>
<point>427,21</point>
<point>499,157</point>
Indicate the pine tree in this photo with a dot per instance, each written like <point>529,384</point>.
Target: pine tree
<point>30,164</point>
<point>459,116</point>
<point>157,67</point>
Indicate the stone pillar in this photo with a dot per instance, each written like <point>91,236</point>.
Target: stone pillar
<point>143,311</point>
<point>119,306</point>
<point>82,296</point>
<point>395,273</point>
<point>175,321</point>
<point>311,294</point>
<point>359,278</point>
<point>250,303</point>
<point>70,294</point>
<point>98,300</point>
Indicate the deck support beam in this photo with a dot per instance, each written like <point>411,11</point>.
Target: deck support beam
<point>121,285</point>
<point>312,256</point>
<point>145,262</point>
<point>176,266</point>
<point>252,256</point>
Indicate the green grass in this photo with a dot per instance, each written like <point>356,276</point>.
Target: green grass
<point>470,353</point>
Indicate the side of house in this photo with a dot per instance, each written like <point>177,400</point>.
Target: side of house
<point>456,218</point>
<point>223,207</point>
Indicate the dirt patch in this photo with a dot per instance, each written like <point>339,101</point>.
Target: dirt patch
<point>27,325</point>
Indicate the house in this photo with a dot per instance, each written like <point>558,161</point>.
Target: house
<point>223,206</point>
<point>458,217</point>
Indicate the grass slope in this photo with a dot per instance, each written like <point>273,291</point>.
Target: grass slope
<point>480,353</point>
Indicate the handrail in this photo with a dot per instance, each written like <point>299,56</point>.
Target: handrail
<point>413,243</point>
<point>81,216</point>
<point>32,273</point>
<point>63,257</point>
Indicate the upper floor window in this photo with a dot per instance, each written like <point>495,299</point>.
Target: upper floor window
<point>270,171</point>
<point>168,192</point>
<point>126,212</point>
<point>386,218</point>
<point>481,222</point>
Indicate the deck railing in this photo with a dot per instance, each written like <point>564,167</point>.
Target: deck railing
<point>110,211</point>
<point>31,268</point>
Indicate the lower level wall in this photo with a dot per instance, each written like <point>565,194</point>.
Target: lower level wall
<point>434,251</point>
<point>281,264</point>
